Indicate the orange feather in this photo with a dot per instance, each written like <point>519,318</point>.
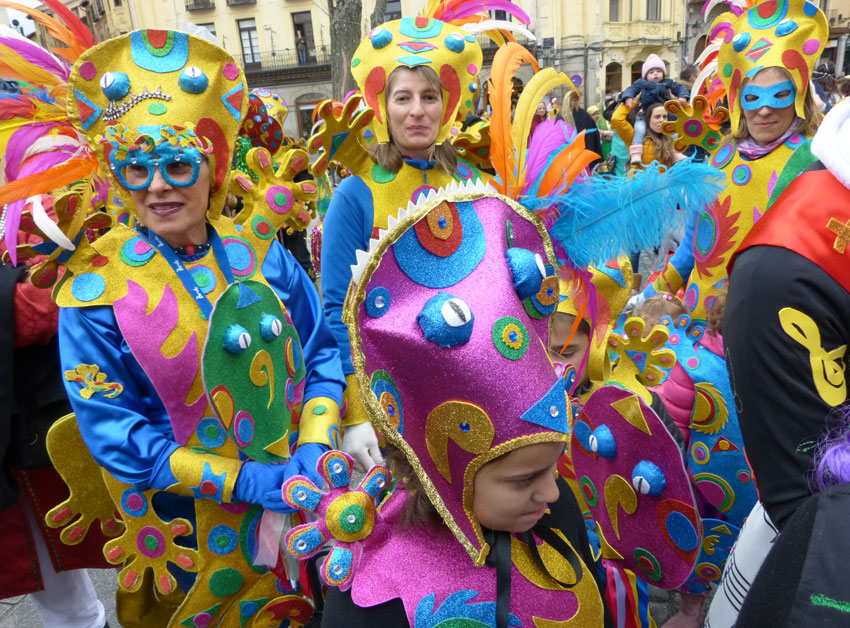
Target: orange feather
<point>502,154</point>
<point>44,182</point>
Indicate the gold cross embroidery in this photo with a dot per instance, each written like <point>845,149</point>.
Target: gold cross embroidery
<point>842,233</point>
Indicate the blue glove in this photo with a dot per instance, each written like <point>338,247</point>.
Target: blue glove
<point>303,462</point>
<point>259,483</point>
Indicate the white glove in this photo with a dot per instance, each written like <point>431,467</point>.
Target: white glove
<point>635,301</point>
<point>360,442</point>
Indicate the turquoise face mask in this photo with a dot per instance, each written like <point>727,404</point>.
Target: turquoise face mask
<point>755,97</point>
<point>179,166</point>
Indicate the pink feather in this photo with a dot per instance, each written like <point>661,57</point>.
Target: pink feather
<point>18,143</point>
<point>38,56</point>
<point>549,137</point>
<point>460,9</point>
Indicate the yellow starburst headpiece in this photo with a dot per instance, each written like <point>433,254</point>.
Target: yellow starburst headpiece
<point>441,38</point>
<point>154,95</point>
<point>774,33</point>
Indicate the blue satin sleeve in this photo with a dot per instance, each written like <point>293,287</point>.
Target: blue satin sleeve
<point>348,227</point>
<point>130,434</point>
<point>321,354</point>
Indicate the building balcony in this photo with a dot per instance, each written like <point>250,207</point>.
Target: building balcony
<point>233,3</point>
<point>195,5</point>
<point>639,32</point>
<point>284,66</point>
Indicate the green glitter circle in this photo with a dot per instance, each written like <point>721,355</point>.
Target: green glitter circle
<point>382,176</point>
<point>656,573</point>
<point>355,62</point>
<point>157,108</point>
<point>318,410</point>
<point>202,279</point>
<point>359,515</point>
<point>280,199</point>
<point>212,430</point>
<point>222,541</point>
<point>225,582</point>
<point>255,224</point>
<point>468,103</point>
<point>727,70</point>
<point>594,499</point>
<point>499,328</point>
<point>151,542</point>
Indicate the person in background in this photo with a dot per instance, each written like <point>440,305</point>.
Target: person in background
<point>584,122</point>
<point>301,47</point>
<point>653,87</point>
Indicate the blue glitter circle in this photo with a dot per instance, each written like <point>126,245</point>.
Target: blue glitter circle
<point>245,430</point>
<point>204,277</point>
<point>473,87</point>
<point>133,258</point>
<point>723,155</point>
<point>444,271</point>
<point>464,426</point>
<point>210,433</point>
<point>742,174</point>
<point>249,609</point>
<point>239,255</point>
<point>222,540</point>
<point>88,287</point>
<point>378,302</point>
<point>682,531</point>
<point>142,510</point>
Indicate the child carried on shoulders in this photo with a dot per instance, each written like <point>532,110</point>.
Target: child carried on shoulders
<point>653,86</point>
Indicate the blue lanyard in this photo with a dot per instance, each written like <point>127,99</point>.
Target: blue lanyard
<point>183,273</point>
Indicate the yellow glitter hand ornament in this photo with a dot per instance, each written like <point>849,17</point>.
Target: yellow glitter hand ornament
<point>338,139</point>
<point>148,542</point>
<point>641,356</point>
<point>695,125</point>
<point>344,516</point>
<point>276,198</point>
<point>89,499</point>
<point>473,144</point>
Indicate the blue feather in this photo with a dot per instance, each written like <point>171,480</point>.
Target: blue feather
<point>604,216</point>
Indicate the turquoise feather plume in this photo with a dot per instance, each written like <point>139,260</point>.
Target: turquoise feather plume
<point>602,216</point>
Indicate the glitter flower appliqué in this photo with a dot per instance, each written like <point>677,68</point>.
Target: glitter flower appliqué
<point>345,516</point>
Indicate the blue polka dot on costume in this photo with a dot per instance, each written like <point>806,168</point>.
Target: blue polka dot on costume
<point>204,277</point>
<point>88,287</point>
<point>682,531</point>
<point>378,302</point>
<point>210,433</point>
<point>222,540</point>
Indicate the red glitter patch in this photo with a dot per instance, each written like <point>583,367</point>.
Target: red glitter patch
<point>421,22</point>
<point>434,243</point>
<point>646,565</point>
<point>210,129</point>
<point>208,487</point>
<point>100,260</point>
<point>766,9</point>
<point>374,85</point>
<point>452,84</point>
<point>263,228</point>
<point>157,38</point>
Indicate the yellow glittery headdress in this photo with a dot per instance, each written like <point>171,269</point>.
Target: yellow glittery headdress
<point>788,34</point>
<point>153,91</point>
<point>441,38</point>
